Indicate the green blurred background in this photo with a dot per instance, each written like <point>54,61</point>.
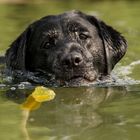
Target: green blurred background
<point>15,15</point>
<point>90,113</point>
<point>123,15</point>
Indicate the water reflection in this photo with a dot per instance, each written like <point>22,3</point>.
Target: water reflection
<point>70,114</point>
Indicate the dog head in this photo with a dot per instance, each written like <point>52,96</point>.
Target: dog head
<point>74,47</point>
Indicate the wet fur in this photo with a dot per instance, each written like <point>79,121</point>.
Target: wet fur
<point>73,47</point>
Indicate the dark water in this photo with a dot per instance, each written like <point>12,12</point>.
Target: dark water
<point>84,113</point>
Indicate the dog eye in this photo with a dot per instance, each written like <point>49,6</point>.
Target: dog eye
<point>83,36</point>
<point>48,44</point>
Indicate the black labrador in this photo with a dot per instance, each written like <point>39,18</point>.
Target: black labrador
<point>72,48</point>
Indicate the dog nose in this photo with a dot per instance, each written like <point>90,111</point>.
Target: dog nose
<point>73,59</point>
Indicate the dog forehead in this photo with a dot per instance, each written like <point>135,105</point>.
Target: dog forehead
<point>73,17</point>
<point>78,21</point>
<point>62,23</point>
<point>64,20</point>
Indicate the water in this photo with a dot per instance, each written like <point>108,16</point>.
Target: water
<point>91,113</point>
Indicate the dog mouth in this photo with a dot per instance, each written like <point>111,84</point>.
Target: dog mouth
<point>83,79</point>
<point>88,78</point>
<point>72,79</point>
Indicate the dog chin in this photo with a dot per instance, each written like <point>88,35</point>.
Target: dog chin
<point>79,81</point>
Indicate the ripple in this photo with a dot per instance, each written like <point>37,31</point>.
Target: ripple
<point>119,77</point>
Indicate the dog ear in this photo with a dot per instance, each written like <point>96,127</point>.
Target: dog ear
<point>15,55</point>
<point>114,43</point>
